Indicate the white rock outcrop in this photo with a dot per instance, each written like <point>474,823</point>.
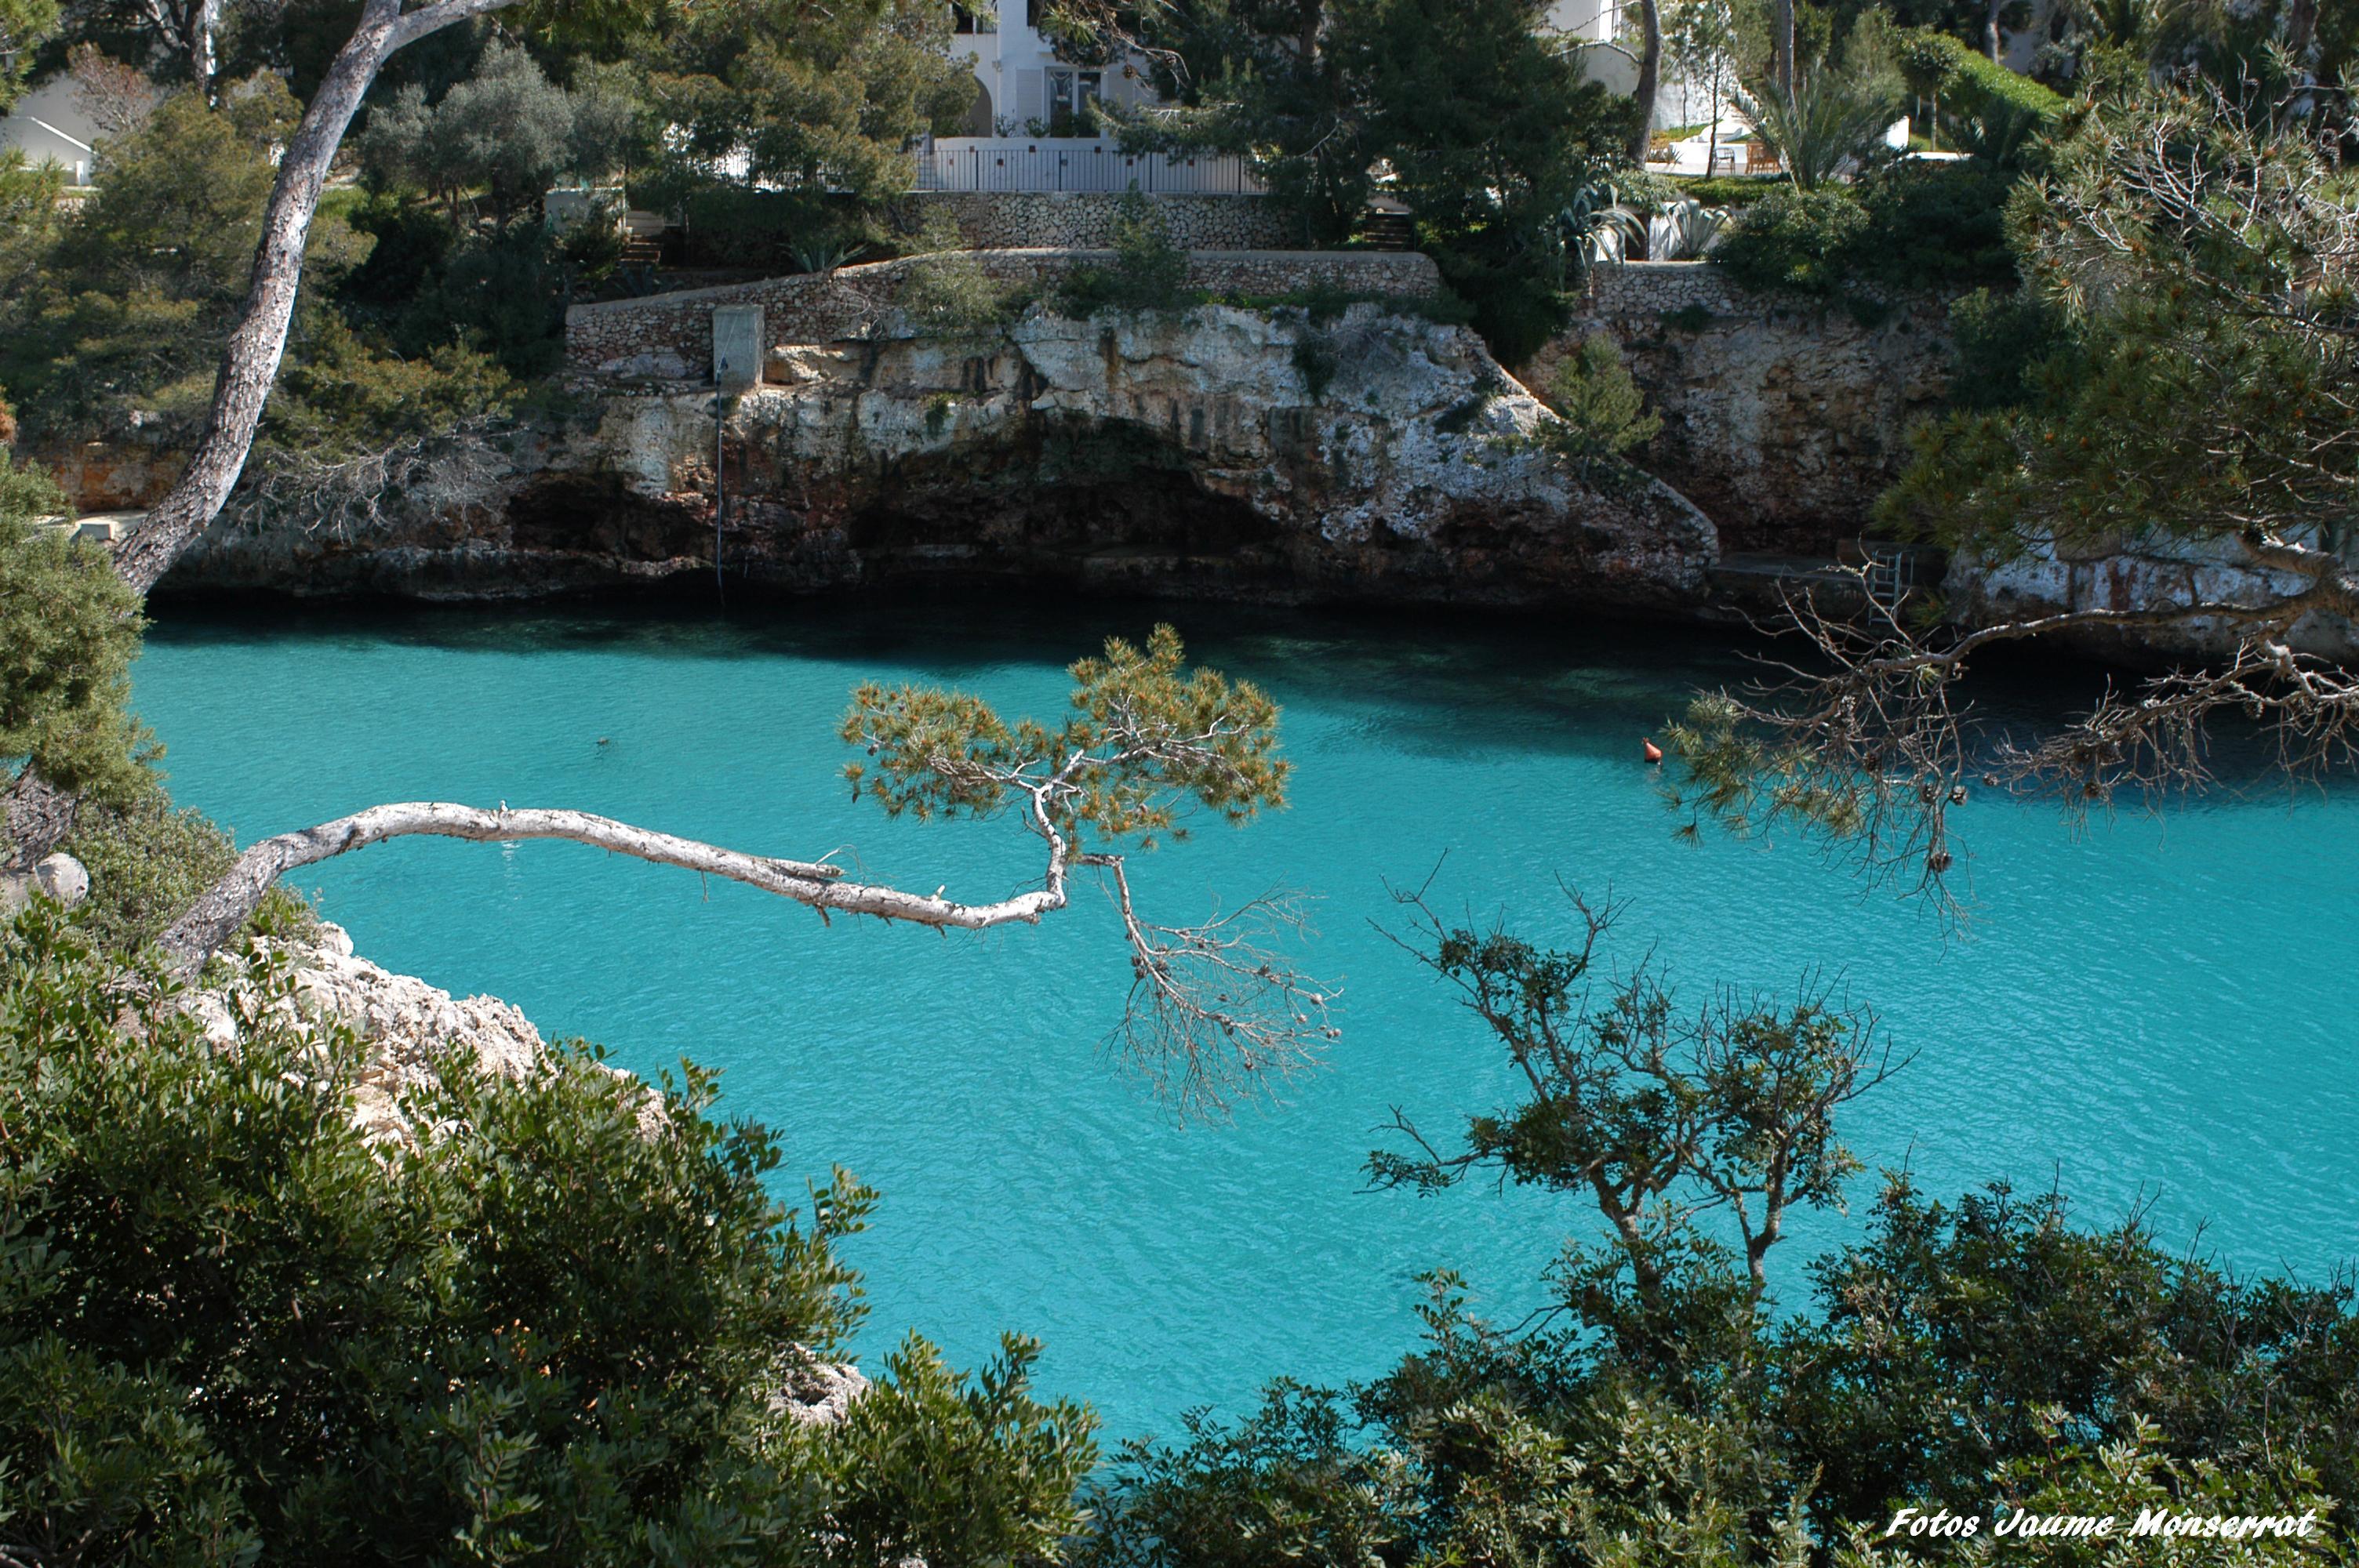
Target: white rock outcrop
<point>58,877</point>
<point>409,1026</point>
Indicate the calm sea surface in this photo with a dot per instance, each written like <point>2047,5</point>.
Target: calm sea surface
<point>2163,1012</point>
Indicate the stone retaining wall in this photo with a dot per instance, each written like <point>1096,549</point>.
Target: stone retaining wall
<point>1784,415</point>
<point>1069,219</point>
<point>668,337</point>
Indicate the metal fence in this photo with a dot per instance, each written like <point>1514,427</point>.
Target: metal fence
<point>1035,164</point>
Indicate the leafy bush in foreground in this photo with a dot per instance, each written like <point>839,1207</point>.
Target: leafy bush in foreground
<point>232,1329</point>
<point>1983,1356</point>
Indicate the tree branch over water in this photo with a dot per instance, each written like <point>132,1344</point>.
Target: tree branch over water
<point>1214,1011</point>
<point>1868,741</point>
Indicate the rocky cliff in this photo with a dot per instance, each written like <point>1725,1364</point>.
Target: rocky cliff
<point>1372,455</point>
<point>1784,416</point>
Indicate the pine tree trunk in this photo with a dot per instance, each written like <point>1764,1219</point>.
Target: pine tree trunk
<point>1781,43</point>
<point>1650,68</point>
<point>250,364</point>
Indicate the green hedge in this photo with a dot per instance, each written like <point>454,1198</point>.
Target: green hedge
<point>1727,190</point>
<point>1804,241</point>
<point>1910,226</point>
<point>1972,83</point>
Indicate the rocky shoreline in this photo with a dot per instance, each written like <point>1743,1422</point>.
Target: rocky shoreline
<point>1253,453</point>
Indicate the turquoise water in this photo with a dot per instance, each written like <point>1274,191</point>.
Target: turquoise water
<point>2159,1012</point>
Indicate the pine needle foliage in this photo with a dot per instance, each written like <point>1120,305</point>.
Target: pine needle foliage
<point>1148,740</point>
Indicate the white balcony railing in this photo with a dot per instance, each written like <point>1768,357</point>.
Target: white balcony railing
<point>1076,163</point>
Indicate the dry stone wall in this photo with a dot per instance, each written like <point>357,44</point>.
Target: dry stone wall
<point>1784,416</point>
<point>668,337</point>
<point>1085,219</point>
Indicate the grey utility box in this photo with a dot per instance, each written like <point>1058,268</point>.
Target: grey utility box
<point>737,346</point>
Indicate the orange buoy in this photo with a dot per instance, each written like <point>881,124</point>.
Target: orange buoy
<point>1654,752</point>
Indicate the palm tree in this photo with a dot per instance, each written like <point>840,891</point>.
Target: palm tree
<point>1824,122</point>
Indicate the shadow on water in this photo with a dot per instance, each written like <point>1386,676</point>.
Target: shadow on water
<point>1555,680</point>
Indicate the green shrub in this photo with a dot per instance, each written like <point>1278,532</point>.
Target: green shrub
<point>953,295</point>
<point>1150,273</point>
<point>69,631</point>
<point>1935,226</point>
<point>1798,240</point>
<point>26,492</point>
<point>1316,361</point>
<point>148,863</point>
<point>1730,191</point>
<point>1603,413</point>
<point>232,1328</point>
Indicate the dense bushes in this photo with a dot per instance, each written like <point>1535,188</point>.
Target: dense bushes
<point>231,1325</point>
<point>1905,226</point>
<point>1807,241</point>
<point>1148,272</point>
<point>1935,226</point>
<point>69,631</point>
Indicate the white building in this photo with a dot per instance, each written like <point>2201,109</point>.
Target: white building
<point>1033,125</point>
<point>48,126</point>
<point>1024,88</point>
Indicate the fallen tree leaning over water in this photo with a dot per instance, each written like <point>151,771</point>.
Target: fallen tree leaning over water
<point>1212,1006</point>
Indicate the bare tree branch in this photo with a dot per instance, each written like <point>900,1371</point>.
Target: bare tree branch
<point>1869,742</point>
<point>215,917</point>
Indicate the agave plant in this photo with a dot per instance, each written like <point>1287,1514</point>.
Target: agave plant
<point>1689,229</point>
<point>1594,226</point>
<point>823,254</point>
<point>1826,122</point>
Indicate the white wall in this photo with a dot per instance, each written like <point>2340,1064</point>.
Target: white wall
<point>1013,65</point>
<point>46,125</point>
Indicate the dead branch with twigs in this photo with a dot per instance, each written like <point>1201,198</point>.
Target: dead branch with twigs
<point>1866,739</point>
<point>354,494</point>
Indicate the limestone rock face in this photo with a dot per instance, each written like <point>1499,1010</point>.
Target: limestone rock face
<point>1225,452</point>
<point>1783,417</point>
<point>410,1027</point>
<point>2139,575</point>
<point>813,1392</point>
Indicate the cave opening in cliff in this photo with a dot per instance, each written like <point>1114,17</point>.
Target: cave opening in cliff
<point>1148,521</point>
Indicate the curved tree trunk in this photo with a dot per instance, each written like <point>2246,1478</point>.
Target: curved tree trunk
<point>1650,68</point>
<point>250,363</point>
<point>36,817</point>
<point>229,903</point>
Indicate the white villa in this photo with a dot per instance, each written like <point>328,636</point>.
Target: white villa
<point>48,126</point>
<point>1033,125</point>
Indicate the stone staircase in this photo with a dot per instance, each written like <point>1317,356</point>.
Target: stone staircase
<point>642,239</point>
<point>1387,228</point>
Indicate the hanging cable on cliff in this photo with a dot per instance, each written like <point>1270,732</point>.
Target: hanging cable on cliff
<point>720,483</point>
